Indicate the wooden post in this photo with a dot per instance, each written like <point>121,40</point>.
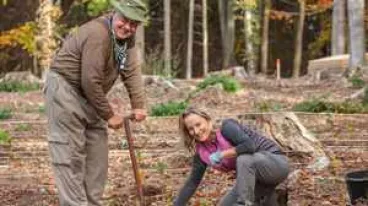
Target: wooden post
<point>278,69</point>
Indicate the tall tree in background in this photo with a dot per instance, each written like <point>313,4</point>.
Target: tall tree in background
<point>46,43</point>
<point>167,41</point>
<point>250,31</point>
<point>140,42</point>
<point>190,40</point>
<point>299,40</point>
<point>205,37</point>
<point>357,36</point>
<point>65,5</point>
<point>227,30</point>
<point>140,39</point>
<point>338,27</point>
<point>265,34</point>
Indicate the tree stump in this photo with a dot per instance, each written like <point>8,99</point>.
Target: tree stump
<point>290,134</point>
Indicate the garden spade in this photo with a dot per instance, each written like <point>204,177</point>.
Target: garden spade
<point>137,176</point>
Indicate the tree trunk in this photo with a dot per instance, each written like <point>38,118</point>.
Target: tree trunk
<point>227,30</point>
<point>222,15</point>
<point>46,42</point>
<point>250,55</point>
<point>65,5</point>
<point>251,31</point>
<point>190,40</point>
<point>140,43</point>
<point>167,42</point>
<point>265,33</point>
<point>205,37</point>
<point>357,35</point>
<point>299,40</point>
<point>338,28</point>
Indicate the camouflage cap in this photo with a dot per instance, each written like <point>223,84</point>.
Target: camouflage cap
<point>134,10</point>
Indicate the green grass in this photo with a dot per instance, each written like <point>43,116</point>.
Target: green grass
<point>357,82</point>
<point>15,86</point>
<point>172,108</point>
<point>169,109</point>
<point>228,83</point>
<point>322,106</point>
<point>5,113</point>
<point>268,106</point>
<point>34,109</point>
<point>5,139</point>
<point>23,127</point>
<point>161,167</point>
<point>42,109</point>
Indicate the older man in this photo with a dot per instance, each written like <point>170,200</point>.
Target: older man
<point>81,74</point>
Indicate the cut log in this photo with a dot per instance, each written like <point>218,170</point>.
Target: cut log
<point>24,77</point>
<point>158,81</point>
<point>238,72</point>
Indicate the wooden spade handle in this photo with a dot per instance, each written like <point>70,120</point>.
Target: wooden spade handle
<point>133,159</point>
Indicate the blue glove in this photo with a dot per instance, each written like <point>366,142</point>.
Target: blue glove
<point>215,158</point>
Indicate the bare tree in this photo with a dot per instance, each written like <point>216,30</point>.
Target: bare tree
<point>338,28</point>
<point>299,40</point>
<point>205,37</point>
<point>357,36</point>
<point>249,33</point>
<point>140,42</point>
<point>167,40</point>
<point>190,40</point>
<point>265,33</point>
<point>48,13</point>
<point>227,30</point>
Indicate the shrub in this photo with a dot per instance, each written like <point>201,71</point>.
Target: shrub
<point>161,167</point>
<point>317,106</point>
<point>15,86</point>
<point>169,109</point>
<point>4,137</point>
<point>268,106</point>
<point>23,35</point>
<point>228,83</point>
<point>357,82</point>
<point>5,113</point>
<point>350,108</point>
<point>314,105</point>
<point>97,7</point>
<point>42,109</point>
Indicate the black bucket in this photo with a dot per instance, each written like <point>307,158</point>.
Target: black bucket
<point>357,184</point>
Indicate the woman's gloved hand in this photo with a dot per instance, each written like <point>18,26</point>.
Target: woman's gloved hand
<point>216,157</point>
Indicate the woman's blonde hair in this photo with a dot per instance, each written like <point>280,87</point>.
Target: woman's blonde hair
<point>188,140</point>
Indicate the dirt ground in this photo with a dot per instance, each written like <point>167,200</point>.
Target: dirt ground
<point>26,177</point>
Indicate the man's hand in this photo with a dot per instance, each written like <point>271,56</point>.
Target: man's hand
<point>139,114</point>
<point>216,157</point>
<point>115,122</point>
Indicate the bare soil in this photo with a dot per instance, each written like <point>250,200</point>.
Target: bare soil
<point>26,177</point>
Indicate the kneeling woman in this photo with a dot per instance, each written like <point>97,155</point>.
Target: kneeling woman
<point>259,162</point>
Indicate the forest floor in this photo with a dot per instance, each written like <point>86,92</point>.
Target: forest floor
<point>26,177</point>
